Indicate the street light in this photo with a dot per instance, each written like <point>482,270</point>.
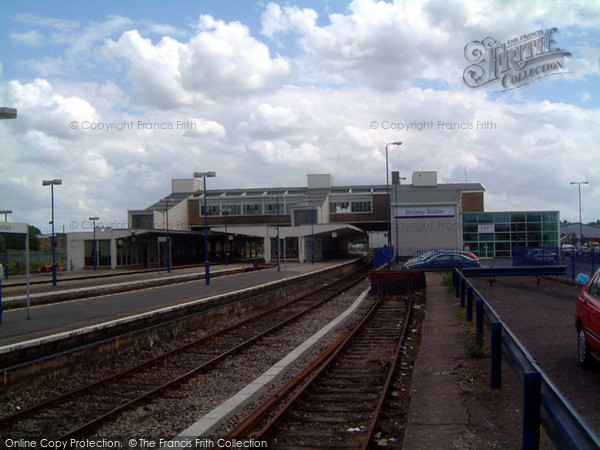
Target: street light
<point>396,181</point>
<point>387,188</point>
<point>95,250</point>
<point>579,183</point>
<point>205,175</point>
<point>225,213</point>
<point>6,113</point>
<point>52,183</point>
<point>278,242</point>
<point>6,212</point>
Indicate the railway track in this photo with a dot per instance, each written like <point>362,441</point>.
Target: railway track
<point>85,409</point>
<point>337,405</point>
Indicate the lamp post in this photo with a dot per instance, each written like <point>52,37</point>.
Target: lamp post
<point>312,235</point>
<point>6,212</point>
<point>168,237</point>
<point>396,181</point>
<point>6,113</point>
<point>52,183</point>
<point>387,189</point>
<point>579,183</point>
<point>205,175</point>
<point>225,213</point>
<point>95,249</point>
<point>278,242</point>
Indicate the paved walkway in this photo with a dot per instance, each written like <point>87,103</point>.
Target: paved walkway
<point>437,414</point>
<point>72,315</point>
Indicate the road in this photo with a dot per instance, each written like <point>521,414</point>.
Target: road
<point>542,317</point>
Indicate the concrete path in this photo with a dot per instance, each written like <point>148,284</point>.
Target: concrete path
<point>437,415</point>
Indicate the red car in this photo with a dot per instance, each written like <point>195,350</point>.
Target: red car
<point>587,321</point>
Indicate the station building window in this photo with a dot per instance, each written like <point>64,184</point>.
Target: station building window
<point>103,247</point>
<point>361,205</point>
<point>212,209</point>
<point>252,208</point>
<point>235,209</point>
<point>271,207</point>
<point>495,234</point>
<point>339,206</point>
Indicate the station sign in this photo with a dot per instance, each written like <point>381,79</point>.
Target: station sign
<point>13,228</point>
<point>414,212</point>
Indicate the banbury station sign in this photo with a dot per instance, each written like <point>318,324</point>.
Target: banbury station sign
<point>516,62</point>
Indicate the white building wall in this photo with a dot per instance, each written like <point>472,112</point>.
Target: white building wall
<point>429,232</point>
<point>76,246</point>
<point>178,218</point>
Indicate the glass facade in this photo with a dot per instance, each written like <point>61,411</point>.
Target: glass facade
<point>494,234</point>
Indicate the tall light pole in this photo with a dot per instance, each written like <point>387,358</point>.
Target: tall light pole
<point>312,235</point>
<point>205,175</point>
<point>6,113</point>
<point>95,250</point>
<point>387,189</point>
<point>396,181</point>
<point>579,183</point>
<point>52,183</point>
<point>6,212</point>
<point>225,213</point>
<point>168,237</point>
<point>278,242</point>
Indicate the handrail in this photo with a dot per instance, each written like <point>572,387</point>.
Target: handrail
<point>564,426</point>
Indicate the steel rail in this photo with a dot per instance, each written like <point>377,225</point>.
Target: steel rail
<point>95,423</point>
<point>318,367</point>
<point>24,413</point>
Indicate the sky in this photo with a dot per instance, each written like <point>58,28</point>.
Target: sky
<point>118,98</point>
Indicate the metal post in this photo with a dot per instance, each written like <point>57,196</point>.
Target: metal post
<point>389,209</point>
<point>27,270</point>
<point>226,243</point>
<point>456,282</point>
<point>496,356</point>
<point>469,304</point>
<point>312,233</point>
<point>278,243</point>
<point>168,237</point>
<point>479,321</point>
<point>206,263</point>
<point>396,220</point>
<point>532,401</point>
<point>52,241</point>
<point>0,299</point>
<point>5,258</point>
<point>95,250</point>
<point>580,220</point>
<point>462,292</point>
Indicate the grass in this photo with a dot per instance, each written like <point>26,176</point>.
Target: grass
<point>447,281</point>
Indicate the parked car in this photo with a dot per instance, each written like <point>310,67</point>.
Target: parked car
<point>423,255</point>
<point>587,322</point>
<point>539,256</point>
<point>445,260</point>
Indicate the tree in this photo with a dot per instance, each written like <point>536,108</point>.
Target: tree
<point>18,243</point>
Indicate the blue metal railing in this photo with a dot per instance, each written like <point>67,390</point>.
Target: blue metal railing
<point>543,402</point>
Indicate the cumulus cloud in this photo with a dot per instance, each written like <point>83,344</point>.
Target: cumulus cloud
<point>390,45</point>
<point>221,61</point>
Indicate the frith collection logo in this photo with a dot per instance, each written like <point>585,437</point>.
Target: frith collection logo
<point>516,62</point>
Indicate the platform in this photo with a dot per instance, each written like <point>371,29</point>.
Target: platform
<point>72,315</point>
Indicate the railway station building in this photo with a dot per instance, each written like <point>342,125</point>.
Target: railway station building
<point>315,222</point>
